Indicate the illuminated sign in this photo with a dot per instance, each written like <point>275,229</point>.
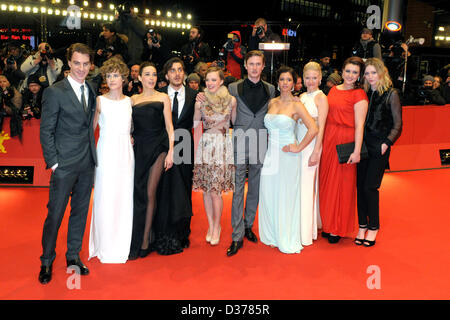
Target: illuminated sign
<point>289,33</point>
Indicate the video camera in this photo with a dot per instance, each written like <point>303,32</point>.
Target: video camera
<point>259,30</point>
<point>229,45</point>
<point>10,60</point>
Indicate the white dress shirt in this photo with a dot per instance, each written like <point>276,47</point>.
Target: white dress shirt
<point>76,86</point>
<point>181,98</point>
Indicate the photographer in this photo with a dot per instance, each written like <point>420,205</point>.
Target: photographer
<point>367,46</point>
<point>32,99</point>
<point>427,95</point>
<point>446,89</point>
<point>12,72</point>
<point>43,64</point>
<point>110,44</point>
<point>195,50</point>
<point>128,24</point>
<point>261,34</point>
<point>156,49</point>
<point>10,104</point>
<point>134,86</point>
<point>235,54</point>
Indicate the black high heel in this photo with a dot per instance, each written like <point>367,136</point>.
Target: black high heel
<point>369,243</point>
<point>359,241</point>
<point>333,239</point>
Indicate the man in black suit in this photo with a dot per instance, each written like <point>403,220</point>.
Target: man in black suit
<point>174,208</point>
<point>68,144</point>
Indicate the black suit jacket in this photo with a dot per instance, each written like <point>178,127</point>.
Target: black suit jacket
<point>66,132</point>
<point>186,118</point>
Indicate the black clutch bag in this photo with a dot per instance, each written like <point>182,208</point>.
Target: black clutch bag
<point>346,149</point>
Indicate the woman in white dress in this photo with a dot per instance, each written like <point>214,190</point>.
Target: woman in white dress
<point>279,193</point>
<point>112,213</point>
<point>316,103</point>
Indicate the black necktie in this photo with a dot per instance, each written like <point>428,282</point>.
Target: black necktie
<point>83,99</point>
<point>175,108</point>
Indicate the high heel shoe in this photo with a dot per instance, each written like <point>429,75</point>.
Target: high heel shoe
<point>215,242</point>
<point>369,243</point>
<point>208,236</point>
<point>359,241</point>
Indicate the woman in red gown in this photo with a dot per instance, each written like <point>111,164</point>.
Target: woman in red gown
<point>345,123</point>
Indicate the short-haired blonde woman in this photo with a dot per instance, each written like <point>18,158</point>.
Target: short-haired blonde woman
<point>112,212</point>
<point>214,168</point>
<point>316,103</point>
<point>382,128</point>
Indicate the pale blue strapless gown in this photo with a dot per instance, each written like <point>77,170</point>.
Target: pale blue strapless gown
<point>279,194</point>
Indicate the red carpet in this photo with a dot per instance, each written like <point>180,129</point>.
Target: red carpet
<point>412,253</point>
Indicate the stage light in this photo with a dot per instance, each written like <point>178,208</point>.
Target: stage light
<point>91,16</point>
<point>57,1</point>
<point>441,29</point>
<point>178,25</point>
<point>85,15</point>
<point>35,10</point>
<point>393,26</point>
<point>111,18</point>
<point>99,16</point>
<point>27,9</point>
<point>147,22</point>
<point>50,11</point>
<point>85,3</point>
<point>19,8</point>
<point>147,11</point>
<point>178,15</point>
<point>158,13</point>
<point>394,17</point>
<point>136,10</point>
<point>189,17</point>
<point>158,23</point>
<point>72,1</point>
<point>447,38</point>
<point>111,7</point>
<point>188,26</point>
<point>105,17</point>
<point>169,14</point>
<point>163,23</point>
<point>152,22</point>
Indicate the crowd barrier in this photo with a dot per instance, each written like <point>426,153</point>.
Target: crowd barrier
<point>426,130</point>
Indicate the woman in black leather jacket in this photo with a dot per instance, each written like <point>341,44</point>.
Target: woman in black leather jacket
<point>382,128</point>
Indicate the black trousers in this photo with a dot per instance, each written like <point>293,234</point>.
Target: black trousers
<point>369,176</point>
<point>64,183</point>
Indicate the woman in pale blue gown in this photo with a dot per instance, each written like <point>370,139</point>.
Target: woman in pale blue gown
<point>279,203</point>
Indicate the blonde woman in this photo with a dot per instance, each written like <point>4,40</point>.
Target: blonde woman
<point>316,103</point>
<point>214,165</point>
<point>382,128</point>
<point>112,212</point>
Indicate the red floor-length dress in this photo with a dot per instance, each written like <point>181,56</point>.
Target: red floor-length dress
<point>337,182</point>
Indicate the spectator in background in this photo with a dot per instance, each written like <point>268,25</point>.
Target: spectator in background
<point>110,44</point>
<point>235,55</point>
<point>195,50</point>
<point>367,46</point>
<point>427,95</point>
<point>13,50</point>
<point>325,65</point>
<point>200,69</point>
<point>162,81</point>
<point>134,86</point>
<point>298,87</point>
<point>333,79</point>
<point>43,64</point>
<point>447,89</point>
<point>10,105</point>
<point>193,81</point>
<point>128,24</point>
<point>262,33</point>
<point>32,99</point>
<point>65,70</point>
<point>103,89</point>
<point>156,49</point>
<point>12,71</point>
<point>228,80</point>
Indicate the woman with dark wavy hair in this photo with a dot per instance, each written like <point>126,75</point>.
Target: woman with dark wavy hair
<point>345,123</point>
<point>383,127</point>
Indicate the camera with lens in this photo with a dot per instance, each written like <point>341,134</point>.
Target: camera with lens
<point>152,33</point>
<point>7,94</point>
<point>10,60</point>
<point>45,53</point>
<point>124,10</point>
<point>221,59</point>
<point>259,30</point>
<point>107,50</point>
